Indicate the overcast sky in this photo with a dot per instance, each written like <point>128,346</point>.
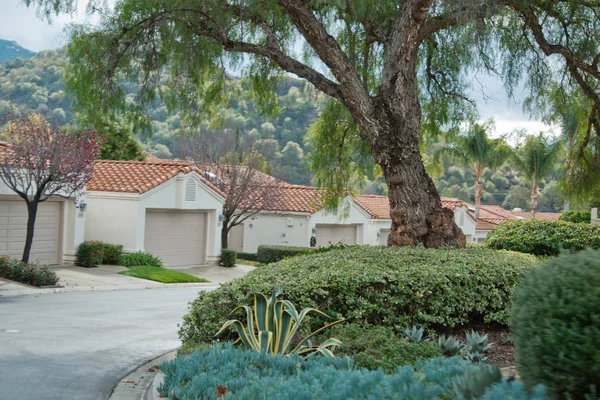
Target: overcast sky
<point>23,25</point>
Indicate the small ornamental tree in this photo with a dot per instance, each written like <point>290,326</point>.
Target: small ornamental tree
<point>43,162</point>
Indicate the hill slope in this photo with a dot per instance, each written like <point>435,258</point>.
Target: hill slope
<point>9,50</point>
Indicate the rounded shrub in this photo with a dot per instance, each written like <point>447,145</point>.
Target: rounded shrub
<point>389,286</point>
<point>556,325</point>
<point>89,254</point>
<point>228,258</point>
<point>139,259</point>
<point>543,238</point>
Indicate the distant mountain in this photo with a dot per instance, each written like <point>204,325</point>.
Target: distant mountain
<point>9,50</point>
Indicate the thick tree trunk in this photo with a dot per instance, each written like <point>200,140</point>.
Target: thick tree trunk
<point>478,190</point>
<point>394,132</point>
<point>225,235</point>
<point>32,208</point>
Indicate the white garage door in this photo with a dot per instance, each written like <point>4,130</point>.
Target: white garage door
<point>385,233</point>
<point>333,234</point>
<point>13,227</point>
<point>178,238</point>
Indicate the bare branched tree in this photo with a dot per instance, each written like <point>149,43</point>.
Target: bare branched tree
<point>44,162</point>
<point>228,161</point>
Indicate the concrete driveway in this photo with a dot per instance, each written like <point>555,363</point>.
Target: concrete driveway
<point>78,345</point>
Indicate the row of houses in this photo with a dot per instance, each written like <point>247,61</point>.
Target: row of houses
<point>170,209</point>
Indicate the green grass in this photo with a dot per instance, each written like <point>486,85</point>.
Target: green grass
<point>161,275</point>
<point>248,262</point>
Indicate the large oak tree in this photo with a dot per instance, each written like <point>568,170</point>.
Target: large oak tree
<point>393,69</point>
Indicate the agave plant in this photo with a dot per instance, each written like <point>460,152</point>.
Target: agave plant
<point>416,335</point>
<point>272,326</point>
<point>477,343</point>
<point>450,345</point>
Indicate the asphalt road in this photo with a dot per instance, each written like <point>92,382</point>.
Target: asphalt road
<point>78,345</point>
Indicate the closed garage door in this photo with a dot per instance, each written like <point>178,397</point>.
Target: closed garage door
<point>178,238</point>
<point>327,234</point>
<point>13,227</point>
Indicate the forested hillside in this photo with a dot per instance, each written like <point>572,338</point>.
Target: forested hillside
<point>37,85</point>
<point>10,50</point>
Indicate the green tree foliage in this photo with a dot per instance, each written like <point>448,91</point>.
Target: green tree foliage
<point>475,149</point>
<point>398,68</point>
<point>535,160</point>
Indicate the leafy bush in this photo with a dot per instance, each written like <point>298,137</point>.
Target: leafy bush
<point>379,347</point>
<point>577,217</point>
<point>89,254</point>
<point>111,253</point>
<point>229,372</point>
<point>138,259</point>
<point>247,256</point>
<point>228,258</point>
<point>270,254</point>
<point>543,238</point>
<point>30,274</point>
<point>390,286</point>
<point>556,324</point>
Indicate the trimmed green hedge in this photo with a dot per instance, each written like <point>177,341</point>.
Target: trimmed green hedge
<point>376,285</point>
<point>228,258</point>
<point>30,274</point>
<point>267,254</point>
<point>543,238</point>
<point>232,373</point>
<point>90,254</point>
<point>577,217</point>
<point>247,256</point>
<point>556,325</point>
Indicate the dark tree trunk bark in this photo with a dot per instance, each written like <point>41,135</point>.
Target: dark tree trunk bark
<point>394,133</point>
<point>32,208</point>
<point>225,235</point>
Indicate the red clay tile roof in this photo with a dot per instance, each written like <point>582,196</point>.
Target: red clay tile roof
<point>545,216</point>
<point>378,207</point>
<point>483,225</point>
<point>294,198</point>
<point>138,176</point>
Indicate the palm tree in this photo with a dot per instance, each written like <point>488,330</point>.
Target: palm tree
<point>535,160</point>
<point>475,149</point>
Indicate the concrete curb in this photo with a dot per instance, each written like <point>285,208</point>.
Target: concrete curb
<point>142,382</point>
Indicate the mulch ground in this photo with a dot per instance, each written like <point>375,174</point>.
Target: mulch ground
<point>502,353</point>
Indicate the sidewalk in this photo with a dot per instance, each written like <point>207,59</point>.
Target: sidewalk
<point>107,277</point>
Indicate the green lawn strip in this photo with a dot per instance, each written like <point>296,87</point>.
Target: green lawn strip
<point>161,275</point>
<point>248,262</point>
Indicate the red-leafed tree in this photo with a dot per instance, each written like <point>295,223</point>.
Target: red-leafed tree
<point>227,160</point>
<point>43,161</point>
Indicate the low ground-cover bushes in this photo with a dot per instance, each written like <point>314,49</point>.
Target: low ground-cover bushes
<point>556,325</point>
<point>543,238</point>
<point>138,259</point>
<point>379,347</point>
<point>93,253</point>
<point>30,274</point>
<point>228,372</point>
<point>387,286</point>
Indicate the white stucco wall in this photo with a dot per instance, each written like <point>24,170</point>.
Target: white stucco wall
<point>272,228</point>
<point>465,222</point>
<point>121,218</point>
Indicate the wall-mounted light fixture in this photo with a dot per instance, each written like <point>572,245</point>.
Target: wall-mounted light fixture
<point>314,231</point>
<point>378,233</point>
<point>283,234</point>
<point>82,206</point>
<point>221,218</point>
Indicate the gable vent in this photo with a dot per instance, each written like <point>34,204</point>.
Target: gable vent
<point>190,190</point>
